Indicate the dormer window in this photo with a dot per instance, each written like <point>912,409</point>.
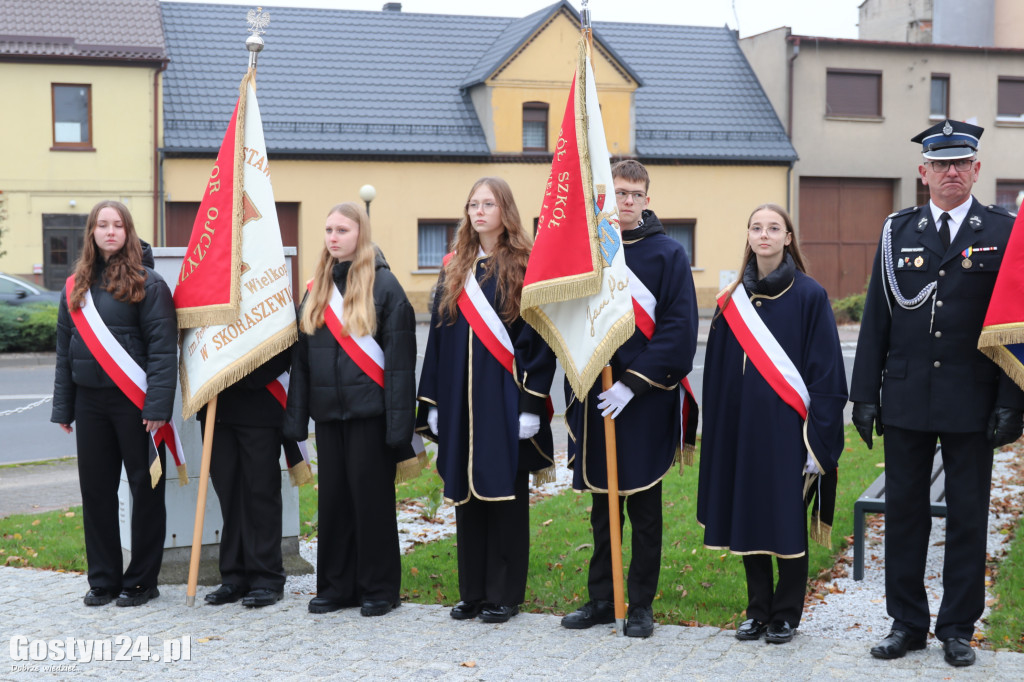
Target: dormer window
<point>535,126</point>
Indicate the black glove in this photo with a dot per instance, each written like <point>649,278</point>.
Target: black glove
<point>1004,426</point>
<point>865,416</point>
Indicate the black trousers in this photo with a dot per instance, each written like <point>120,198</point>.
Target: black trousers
<point>357,553</point>
<point>246,472</point>
<point>493,541</point>
<point>967,461</point>
<point>644,509</point>
<point>768,601</point>
<point>109,432</point>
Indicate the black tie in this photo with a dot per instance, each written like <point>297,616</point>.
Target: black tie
<point>944,230</point>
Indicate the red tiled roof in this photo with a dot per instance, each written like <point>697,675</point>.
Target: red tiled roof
<point>87,29</point>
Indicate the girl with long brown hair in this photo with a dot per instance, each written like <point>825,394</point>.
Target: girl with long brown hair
<point>353,372</point>
<point>765,452</point>
<point>114,279</point>
<point>483,389</point>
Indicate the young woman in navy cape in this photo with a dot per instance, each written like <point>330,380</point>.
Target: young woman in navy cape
<point>759,458</point>
<point>135,305</point>
<point>491,425</point>
<point>363,428</point>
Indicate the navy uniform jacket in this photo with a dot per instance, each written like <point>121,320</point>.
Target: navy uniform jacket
<point>647,430</point>
<point>754,446</point>
<point>478,403</point>
<point>923,366</point>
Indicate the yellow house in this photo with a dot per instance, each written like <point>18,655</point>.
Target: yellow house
<point>81,81</point>
<point>419,106</point>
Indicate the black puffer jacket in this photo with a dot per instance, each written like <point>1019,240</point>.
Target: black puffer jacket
<point>328,386</point>
<point>148,330</point>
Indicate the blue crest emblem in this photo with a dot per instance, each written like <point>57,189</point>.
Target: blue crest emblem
<point>611,242</point>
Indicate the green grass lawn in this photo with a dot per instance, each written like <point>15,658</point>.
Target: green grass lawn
<point>697,585</point>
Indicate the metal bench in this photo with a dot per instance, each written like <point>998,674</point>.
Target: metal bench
<point>872,500</point>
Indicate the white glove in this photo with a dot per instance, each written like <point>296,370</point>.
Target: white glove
<point>529,425</point>
<point>811,467</point>
<point>432,419</point>
<point>614,400</point>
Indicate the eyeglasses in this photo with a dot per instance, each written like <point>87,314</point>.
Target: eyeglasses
<point>637,196</point>
<point>773,230</point>
<point>473,207</point>
<point>960,164</point>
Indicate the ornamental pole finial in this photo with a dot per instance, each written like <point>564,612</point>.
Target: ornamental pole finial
<point>258,22</point>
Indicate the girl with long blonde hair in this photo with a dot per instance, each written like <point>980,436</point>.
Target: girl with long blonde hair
<point>483,390</point>
<point>358,385</point>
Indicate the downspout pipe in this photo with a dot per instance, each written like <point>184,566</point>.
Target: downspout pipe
<point>789,119</point>
<point>158,166</point>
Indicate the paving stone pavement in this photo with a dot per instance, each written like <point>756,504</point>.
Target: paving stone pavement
<point>414,642</point>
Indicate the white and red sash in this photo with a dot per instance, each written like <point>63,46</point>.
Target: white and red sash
<point>644,305</point>
<point>764,350</point>
<point>364,350</point>
<point>127,374</point>
<point>296,455</point>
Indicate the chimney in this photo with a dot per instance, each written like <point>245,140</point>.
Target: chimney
<point>392,7</point>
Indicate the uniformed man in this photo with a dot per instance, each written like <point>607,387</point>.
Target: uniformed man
<point>919,375</point>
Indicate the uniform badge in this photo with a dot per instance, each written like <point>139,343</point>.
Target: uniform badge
<point>922,223</point>
<point>975,221</point>
<point>947,129</point>
<point>918,262</point>
<point>899,262</point>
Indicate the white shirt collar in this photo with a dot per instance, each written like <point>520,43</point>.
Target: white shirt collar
<point>956,216</point>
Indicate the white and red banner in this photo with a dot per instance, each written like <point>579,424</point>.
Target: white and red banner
<point>233,295</point>
<point>764,350</point>
<point>576,290</point>
<point>128,375</point>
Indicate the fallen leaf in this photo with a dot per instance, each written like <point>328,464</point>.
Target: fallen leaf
<point>36,522</point>
<point>414,571</point>
<point>468,664</point>
<point>547,523</point>
<point>69,515</point>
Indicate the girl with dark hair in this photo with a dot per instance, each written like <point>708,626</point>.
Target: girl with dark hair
<point>353,372</point>
<point>774,393</point>
<point>483,393</point>
<point>116,323</point>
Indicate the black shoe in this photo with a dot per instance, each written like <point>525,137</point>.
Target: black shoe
<point>958,652</point>
<point>226,594</point>
<point>325,605</point>
<point>137,596</point>
<point>262,596</point>
<point>779,632</point>
<point>595,612</point>
<point>751,629</point>
<point>377,607</point>
<point>640,622</point>
<point>897,644</point>
<point>465,610</point>
<point>492,613</point>
<point>98,596</point>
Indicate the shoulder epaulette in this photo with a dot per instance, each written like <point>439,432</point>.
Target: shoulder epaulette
<point>996,208</point>
<point>906,211</point>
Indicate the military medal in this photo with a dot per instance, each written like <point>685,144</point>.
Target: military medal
<point>918,262</point>
<point>966,253</point>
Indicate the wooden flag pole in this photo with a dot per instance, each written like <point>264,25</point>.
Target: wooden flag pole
<point>204,482</point>
<point>614,525</point>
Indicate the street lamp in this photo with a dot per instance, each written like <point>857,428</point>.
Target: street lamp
<point>367,193</point>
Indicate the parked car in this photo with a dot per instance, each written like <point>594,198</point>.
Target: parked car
<point>17,291</point>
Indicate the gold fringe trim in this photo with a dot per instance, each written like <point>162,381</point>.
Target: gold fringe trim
<point>409,469</point>
<point>300,474</point>
<point>191,403</point>
<point>182,474</point>
<point>1006,360</point>
<point>155,472</point>
<point>821,532</point>
<point>545,475</point>
<point>686,456</point>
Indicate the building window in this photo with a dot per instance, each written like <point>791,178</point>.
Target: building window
<point>683,232</point>
<point>72,116</point>
<point>1011,98</point>
<point>853,93</point>
<point>939,107</point>
<point>435,238</point>
<point>1007,192</point>
<point>535,126</point>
